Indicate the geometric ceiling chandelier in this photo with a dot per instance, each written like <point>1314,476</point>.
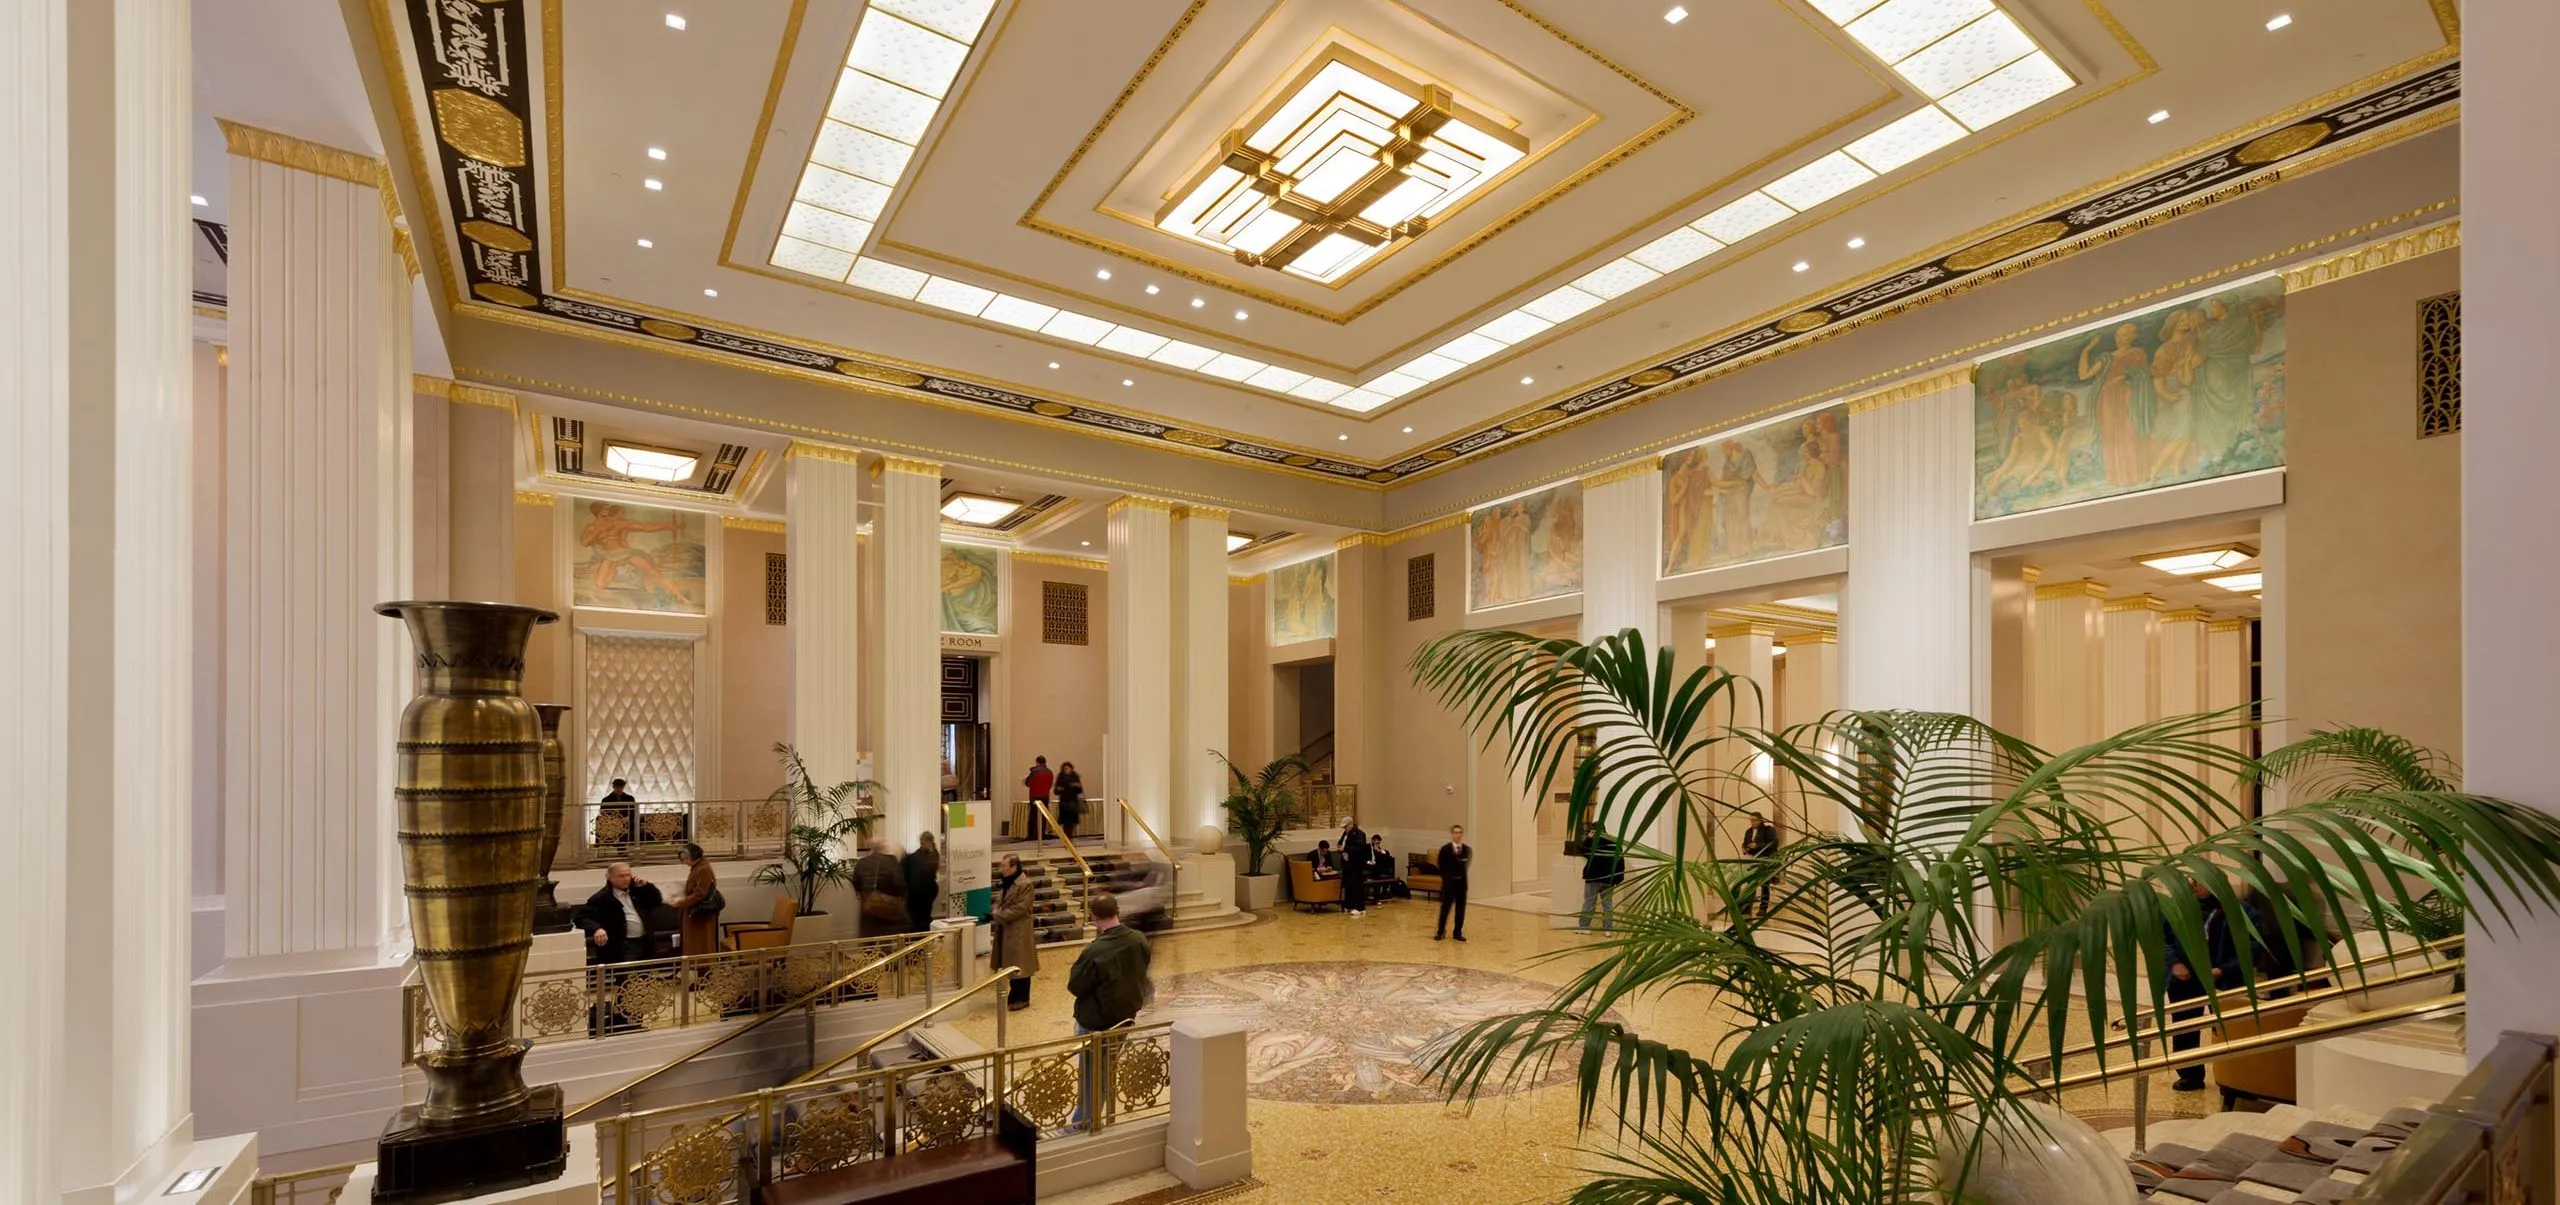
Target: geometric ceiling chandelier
<point>1350,160</point>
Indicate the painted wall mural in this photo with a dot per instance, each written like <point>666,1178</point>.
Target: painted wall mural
<point>1525,549</point>
<point>1302,601</point>
<point>2182,393</point>
<point>1774,490</point>
<point>640,558</point>
<point>971,598</point>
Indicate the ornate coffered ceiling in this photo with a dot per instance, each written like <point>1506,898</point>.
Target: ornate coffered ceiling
<point>1686,197</point>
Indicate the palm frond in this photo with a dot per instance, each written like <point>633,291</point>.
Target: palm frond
<point>2335,761</point>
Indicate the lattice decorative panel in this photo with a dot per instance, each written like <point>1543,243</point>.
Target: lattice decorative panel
<point>1064,616</point>
<point>637,715</point>
<point>2440,365</point>
<point>777,588</point>
<point>1421,587</point>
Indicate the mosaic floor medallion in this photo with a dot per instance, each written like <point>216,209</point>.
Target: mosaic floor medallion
<point>1351,1032</point>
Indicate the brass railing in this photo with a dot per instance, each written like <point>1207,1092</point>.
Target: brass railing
<point>2491,1141</point>
<point>590,1002</point>
<point>314,1186</point>
<point>1064,841</point>
<point>1173,865</point>
<point>721,1151</point>
<point>652,832</point>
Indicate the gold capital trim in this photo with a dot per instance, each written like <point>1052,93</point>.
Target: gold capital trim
<point>1894,395</point>
<point>1813,638</point>
<point>1068,562</point>
<point>303,155</point>
<point>2136,602</point>
<point>1219,514</point>
<point>405,247</point>
<point>1434,527</point>
<point>819,451</point>
<point>1138,502</point>
<point>1253,580</point>
<point>745,523</point>
<point>2183,615</point>
<point>222,355</point>
<point>909,464</point>
<point>1360,539</point>
<point>1625,472</point>
<point>1748,628</point>
<point>2443,236</point>
<point>2072,589</point>
<point>2227,625</point>
<point>462,391</point>
<point>2031,574</point>
<point>532,498</point>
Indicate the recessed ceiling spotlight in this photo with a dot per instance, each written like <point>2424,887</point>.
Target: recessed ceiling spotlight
<point>1676,15</point>
<point>1408,430</point>
<point>674,21</point>
<point>1802,266</point>
<point>1053,364</point>
<point>2158,117</point>
<point>711,292</point>
<point>1344,435</point>
<point>1152,290</point>
<point>1102,274</point>
<point>1858,242</point>
<point>1528,380</point>
<point>2279,21</point>
<point>1239,315</point>
<point>652,184</point>
<point>645,243</point>
<point>1197,302</point>
<point>1088,543</point>
<point>658,153</point>
<point>1126,382</point>
<point>195,200</point>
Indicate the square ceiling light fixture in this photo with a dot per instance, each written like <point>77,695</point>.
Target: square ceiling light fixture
<point>1350,160</point>
<point>978,510</point>
<point>641,462</point>
<point>2240,583</point>
<point>2203,560</point>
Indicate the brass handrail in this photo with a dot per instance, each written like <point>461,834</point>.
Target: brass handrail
<point>2419,1010</point>
<point>801,1001</point>
<point>2241,1003</point>
<point>1174,865</point>
<point>1063,839</point>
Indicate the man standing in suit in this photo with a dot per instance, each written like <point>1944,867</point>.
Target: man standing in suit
<point>615,921</point>
<point>1453,861</point>
<point>1355,868</point>
<point>1759,840</point>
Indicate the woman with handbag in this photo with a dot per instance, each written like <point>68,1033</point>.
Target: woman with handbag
<point>880,885</point>
<point>700,904</point>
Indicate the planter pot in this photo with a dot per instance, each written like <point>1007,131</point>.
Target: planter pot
<point>2067,1163</point>
<point>2405,958</point>
<point>1257,891</point>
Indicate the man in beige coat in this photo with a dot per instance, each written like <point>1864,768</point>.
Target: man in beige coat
<point>1017,944</point>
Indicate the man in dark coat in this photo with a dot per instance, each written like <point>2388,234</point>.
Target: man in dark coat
<point>1453,860</point>
<point>1109,982</point>
<point>1355,868</point>
<point>617,922</point>
<point>2190,978</point>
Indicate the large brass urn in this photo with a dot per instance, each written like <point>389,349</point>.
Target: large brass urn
<point>471,804</point>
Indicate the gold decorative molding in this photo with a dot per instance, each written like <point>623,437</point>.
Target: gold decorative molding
<point>532,498</point>
<point>1751,627</point>
<point>2132,602</point>
<point>1360,539</point>
<point>1067,562</point>
<point>1894,395</point>
<point>2183,615</point>
<point>1813,638</point>
<point>405,247</point>
<point>1187,511</point>
<point>480,395</point>
<point>1625,472</point>
<point>2072,589</point>
<point>2228,625</point>
<point>906,464</point>
<point>1138,502</point>
<point>213,313</point>
<point>745,523</point>
<point>819,451</point>
<point>2031,574</point>
<point>222,356</point>
<point>1432,528</point>
<point>303,155</point>
<point>2427,240</point>
<point>427,386</point>
<point>1248,581</point>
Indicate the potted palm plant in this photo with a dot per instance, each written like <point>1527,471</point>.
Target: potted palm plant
<point>1259,809</point>
<point>1893,1031</point>
<point>828,828</point>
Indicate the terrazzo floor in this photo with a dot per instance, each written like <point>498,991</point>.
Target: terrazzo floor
<point>1334,1116</point>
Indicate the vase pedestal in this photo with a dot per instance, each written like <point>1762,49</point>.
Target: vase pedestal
<point>419,1164</point>
<point>577,1182</point>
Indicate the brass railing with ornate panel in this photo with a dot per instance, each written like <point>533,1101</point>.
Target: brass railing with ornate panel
<point>722,1151</point>
<point>1324,805</point>
<point>2491,1141</point>
<point>585,1003</point>
<point>314,1186</point>
<point>651,833</point>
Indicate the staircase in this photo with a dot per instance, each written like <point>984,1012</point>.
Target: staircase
<point>1059,886</point>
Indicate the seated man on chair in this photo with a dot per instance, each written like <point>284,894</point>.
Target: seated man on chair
<point>617,924</point>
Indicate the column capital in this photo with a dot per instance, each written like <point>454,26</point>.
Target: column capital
<point>1360,539</point>
<point>2136,602</point>
<point>2227,625</point>
<point>1813,638</point>
<point>748,523</point>
<point>1250,580</point>
<point>1203,513</point>
<point>1138,502</point>
<point>1613,475</point>
<point>2077,589</point>
<point>1751,627</point>
<point>532,498</point>
<point>906,464</point>
<point>302,155</point>
<point>2184,615</point>
<point>1921,387</point>
<point>1071,562</point>
<point>2031,574</point>
<point>818,451</point>
<point>462,391</point>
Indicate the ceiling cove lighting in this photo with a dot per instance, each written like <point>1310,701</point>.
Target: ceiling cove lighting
<point>2240,583</point>
<point>644,463</point>
<point>2279,21</point>
<point>978,510</point>
<point>1350,160</point>
<point>2207,560</point>
<point>1675,16</point>
<point>1236,540</point>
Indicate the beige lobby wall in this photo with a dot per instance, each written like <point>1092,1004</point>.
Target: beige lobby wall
<point>1249,672</point>
<point>2373,514</point>
<point>1061,693</point>
<point>538,574</point>
<point>755,669</point>
<point>1428,747</point>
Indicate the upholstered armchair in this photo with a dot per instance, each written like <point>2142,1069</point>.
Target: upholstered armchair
<point>762,935</point>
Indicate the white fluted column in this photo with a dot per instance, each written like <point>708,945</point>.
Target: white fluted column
<point>1746,650</point>
<point>2226,683</point>
<point>2129,684</point>
<point>318,527</point>
<point>1139,744</point>
<point>2068,664</point>
<point>910,544</point>
<point>1200,674</point>
<point>1906,616</point>
<point>1622,550</point>
<point>96,621</point>
<point>823,579</point>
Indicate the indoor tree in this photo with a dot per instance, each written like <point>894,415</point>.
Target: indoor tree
<point>828,828</point>
<point>1885,1026</point>
<point>1261,806</point>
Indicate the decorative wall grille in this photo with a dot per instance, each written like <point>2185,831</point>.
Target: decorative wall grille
<point>777,588</point>
<point>2440,365</point>
<point>636,720</point>
<point>1421,587</point>
<point>1064,618</point>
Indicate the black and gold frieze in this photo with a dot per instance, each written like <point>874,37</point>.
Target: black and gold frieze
<point>471,60</point>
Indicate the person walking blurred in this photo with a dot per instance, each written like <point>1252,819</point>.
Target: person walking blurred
<point>880,891</point>
<point>1069,790</point>
<point>923,873</point>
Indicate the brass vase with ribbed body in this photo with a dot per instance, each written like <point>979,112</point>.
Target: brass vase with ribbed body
<point>470,798</point>
<point>555,796</point>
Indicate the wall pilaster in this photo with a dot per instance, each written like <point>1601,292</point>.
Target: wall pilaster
<point>910,651</point>
<point>1906,616</point>
<point>1200,697</point>
<point>1140,744</point>
<point>824,583</point>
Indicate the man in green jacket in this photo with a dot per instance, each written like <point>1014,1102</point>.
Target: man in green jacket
<point>1108,981</point>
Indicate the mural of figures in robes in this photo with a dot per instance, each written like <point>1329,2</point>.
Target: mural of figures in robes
<point>1774,490</point>
<point>1524,549</point>
<point>640,558</point>
<point>1302,601</point>
<point>970,590</point>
